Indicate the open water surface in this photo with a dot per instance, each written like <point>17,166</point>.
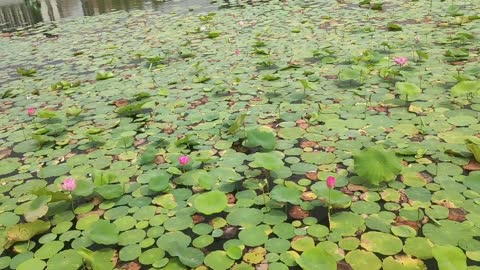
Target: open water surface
<point>16,14</point>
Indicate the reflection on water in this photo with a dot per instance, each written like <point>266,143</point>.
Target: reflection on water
<point>20,13</point>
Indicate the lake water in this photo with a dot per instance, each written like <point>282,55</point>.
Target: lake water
<point>22,13</point>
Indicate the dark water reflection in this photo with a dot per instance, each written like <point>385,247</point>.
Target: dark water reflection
<point>21,13</point>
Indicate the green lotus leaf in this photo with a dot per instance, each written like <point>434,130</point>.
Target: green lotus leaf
<point>103,232</point>
<point>337,198</point>
<point>174,242</point>
<point>303,243</point>
<point>408,89</point>
<point>218,260</point>
<point>9,165</point>
<point>418,247</point>
<point>37,208</point>
<point>159,182</point>
<point>286,194</point>
<point>316,258</point>
<point>25,231</point>
<point>129,253</point>
<point>363,260</point>
<point>449,258</point>
<point>473,145</point>
<point>32,264</point>
<point>110,191</point>
<point>253,236</point>
<point>382,243</point>
<point>191,257</point>
<point>210,202</point>
<point>270,161</point>
<point>466,87</point>
<point>375,165</point>
<point>98,260</point>
<point>346,223</point>
<point>403,263</point>
<point>261,136</point>
<point>48,250</point>
<point>447,232</point>
<point>245,217</point>
<point>65,260</point>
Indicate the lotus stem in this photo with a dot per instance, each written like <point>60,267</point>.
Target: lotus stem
<point>329,209</point>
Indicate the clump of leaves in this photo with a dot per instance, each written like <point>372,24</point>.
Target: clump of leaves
<point>307,86</point>
<point>371,5</point>
<point>131,109</point>
<point>26,72</point>
<point>393,27</point>
<point>155,61</point>
<point>466,88</point>
<point>407,89</point>
<point>104,75</point>
<point>454,55</point>
<point>73,111</point>
<point>355,73</point>
<point>376,165</point>
<point>473,145</point>
<point>63,85</point>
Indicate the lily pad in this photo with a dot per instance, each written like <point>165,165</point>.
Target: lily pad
<point>103,232</point>
<point>210,202</point>
<point>382,243</point>
<point>316,258</point>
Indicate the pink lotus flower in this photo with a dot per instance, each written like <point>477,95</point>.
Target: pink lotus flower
<point>69,184</point>
<point>183,160</point>
<point>401,61</point>
<point>331,182</point>
<point>31,111</point>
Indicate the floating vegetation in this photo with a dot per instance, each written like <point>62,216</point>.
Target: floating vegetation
<point>285,135</point>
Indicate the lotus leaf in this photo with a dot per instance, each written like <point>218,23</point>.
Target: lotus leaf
<point>25,231</point>
<point>382,243</point>
<point>449,257</point>
<point>375,165</point>
<point>261,136</point>
<point>316,258</point>
<point>210,202</point>
<point>103,232</point>
<point>218,260</point>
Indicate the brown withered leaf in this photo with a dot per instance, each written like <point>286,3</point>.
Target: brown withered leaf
<point>343,266</point>
<point>311,175</point>
<point>197,218</point>
<point>231,198</point>
<point>457,214</point>
<point>309,196</point>
<point>472,166</point>
<point>354,187</point>
<point>98,212</point>
<point>131,266</point>
<point>121,102</point>
<point>310,144</point>
<point>159,159</point>
<point>5,153</point>
<point>400,221</point>
<point>296,212</point>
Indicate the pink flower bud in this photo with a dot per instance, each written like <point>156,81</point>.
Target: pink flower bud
<point>237,52</point>
<point>401,61</point>
<point>331,182</point>
<point>183,160</point>
<point>31,111</point>
<point>69,184</point>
